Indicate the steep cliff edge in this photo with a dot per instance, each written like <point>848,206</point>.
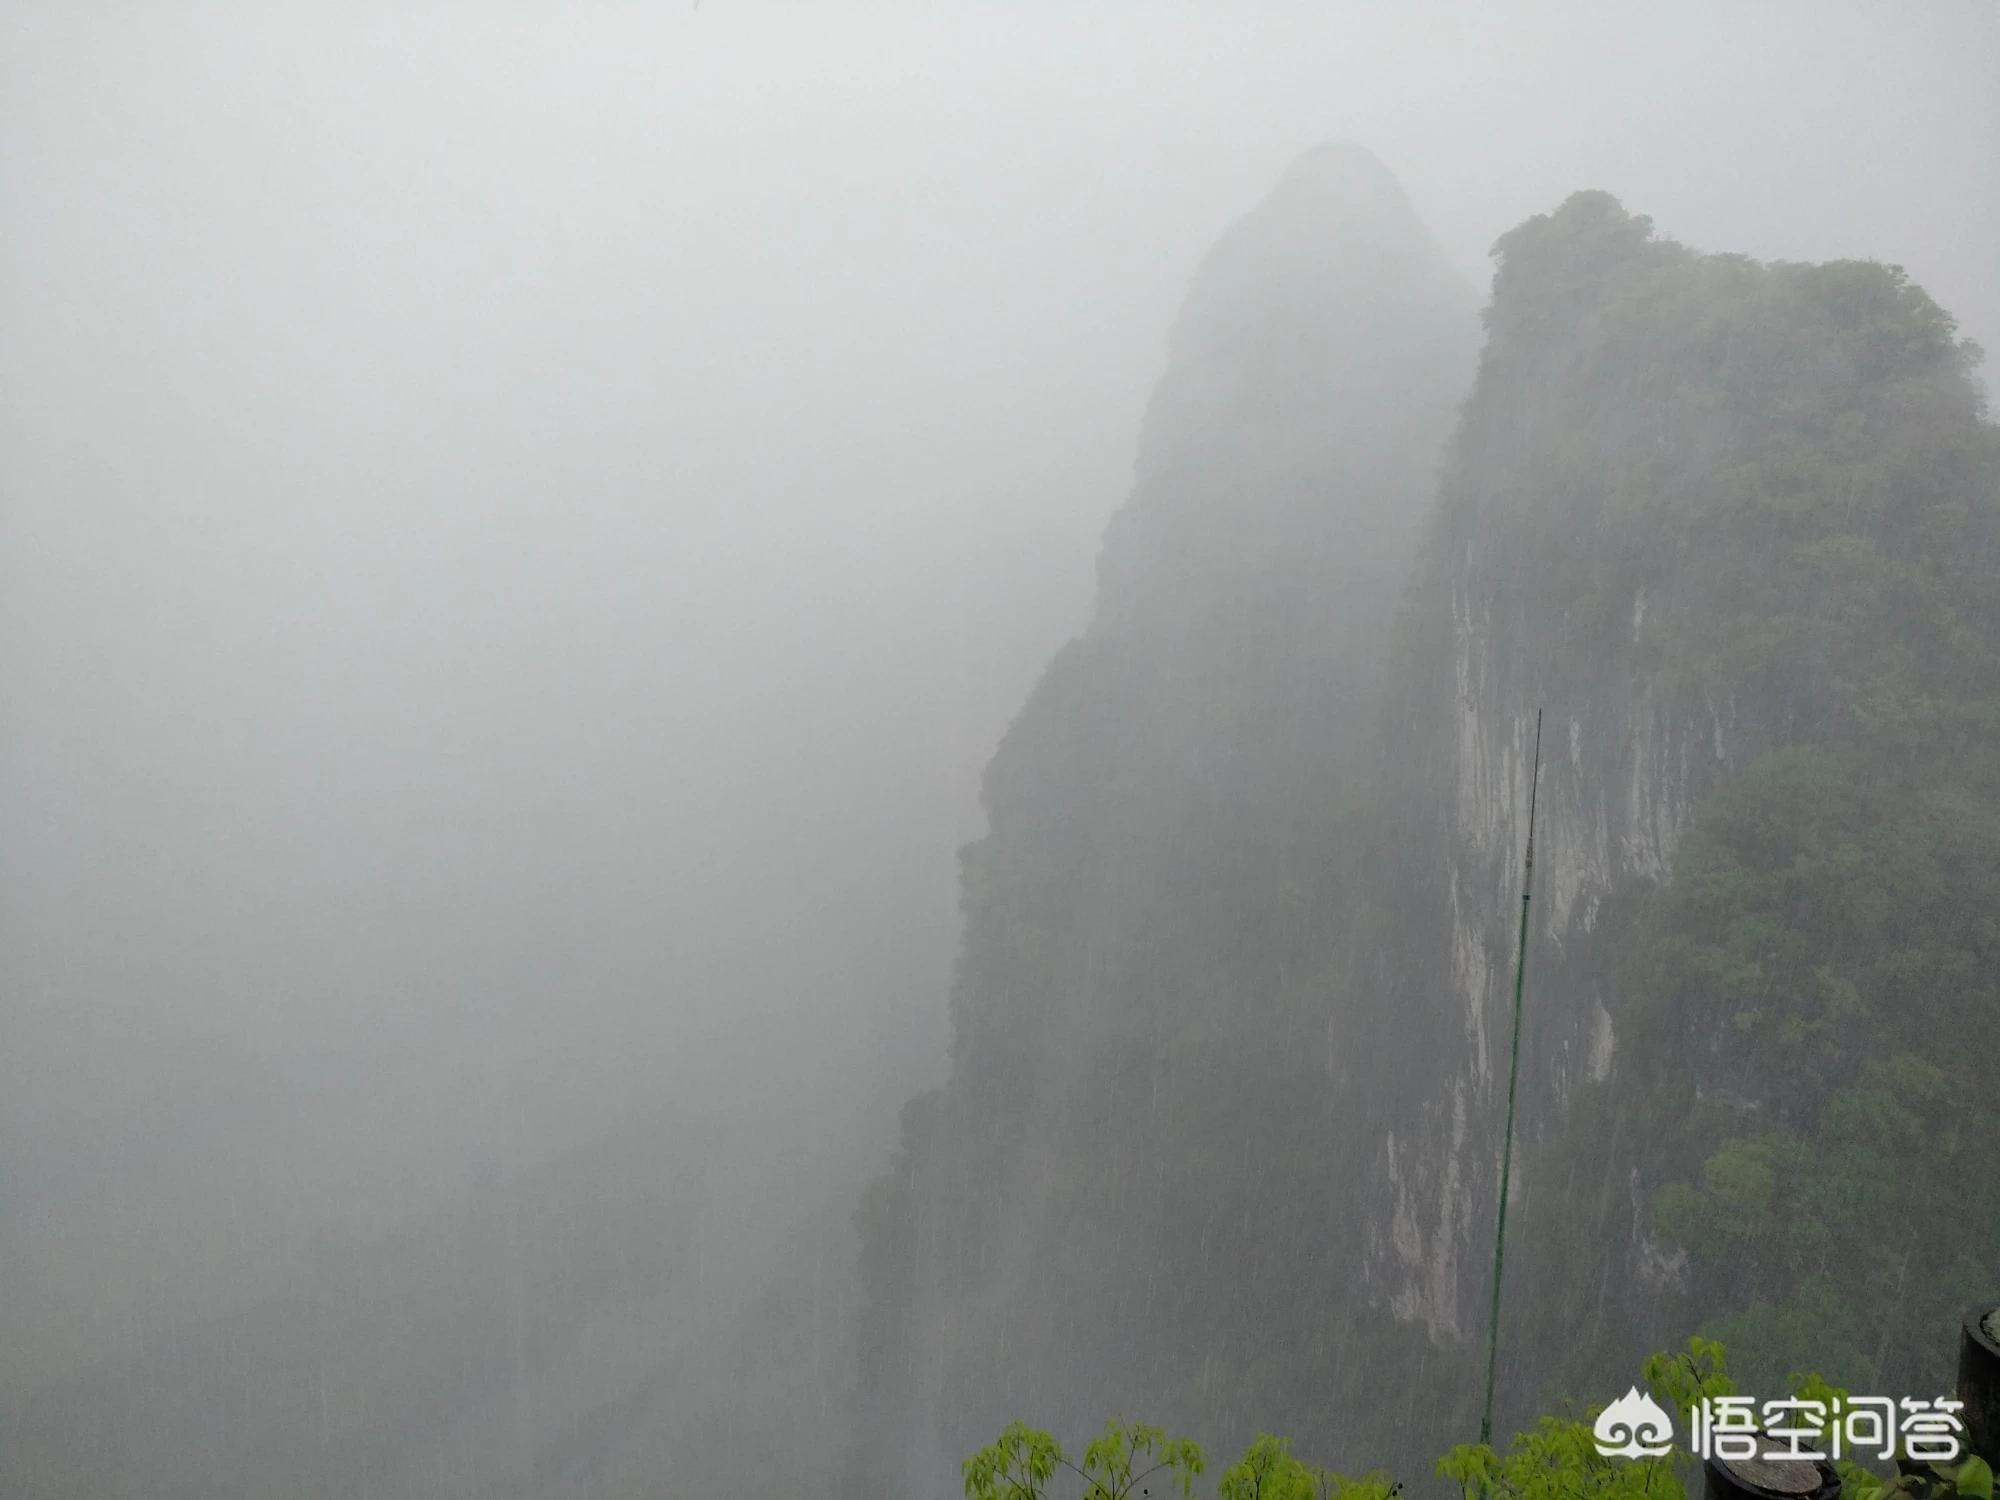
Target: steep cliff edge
<point>1124,1163</point>
<point>1733,526</point>
<point>1221,1142</point>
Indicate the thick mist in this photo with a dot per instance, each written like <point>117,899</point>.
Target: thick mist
<point>521,526</point>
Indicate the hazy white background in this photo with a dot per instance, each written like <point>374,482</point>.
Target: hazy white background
<point>520,524</point>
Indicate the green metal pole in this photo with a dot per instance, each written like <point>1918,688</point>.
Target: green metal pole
<point>1513,1076</point>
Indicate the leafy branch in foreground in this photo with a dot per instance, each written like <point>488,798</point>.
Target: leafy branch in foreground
<point>1024,1461</point>
<point>1971,1479</point>
<point>1268,1471</point>
<point>1555,1459</point>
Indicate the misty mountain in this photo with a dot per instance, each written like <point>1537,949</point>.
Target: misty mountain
<point>1138,1153</point>
<point>1735,528</point>
<point>1221,1141</point>
<point>521,526</point>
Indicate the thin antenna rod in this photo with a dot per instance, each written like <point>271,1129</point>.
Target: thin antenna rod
<point>1513,1076</point>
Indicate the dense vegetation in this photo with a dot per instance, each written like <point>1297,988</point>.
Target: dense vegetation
<point>1221,1138</point>
<point>1804,1007</point>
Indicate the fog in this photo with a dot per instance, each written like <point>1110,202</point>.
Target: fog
<point>523,524</point>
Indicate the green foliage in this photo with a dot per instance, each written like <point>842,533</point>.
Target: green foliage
<point>1682,1381</point>
<point>1738,525</point>
<point>1969,1479</point>
<point>1789,462</point>
<point>1555,1458</point>
<point>1111,1464</point>
<point>1016,1466</point>
<point>1268,1471</point>
<point>1120,1462</point>
<point>1820,969</point>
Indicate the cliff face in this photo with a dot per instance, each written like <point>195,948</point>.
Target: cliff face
<point>1731,527</point>
<point>1520,605</point>
<point>1222,1136</point>
<point>1143,1055</point>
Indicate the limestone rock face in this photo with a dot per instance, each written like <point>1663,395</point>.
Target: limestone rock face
<point>1676,482</point>
<point>1231,1024</point>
